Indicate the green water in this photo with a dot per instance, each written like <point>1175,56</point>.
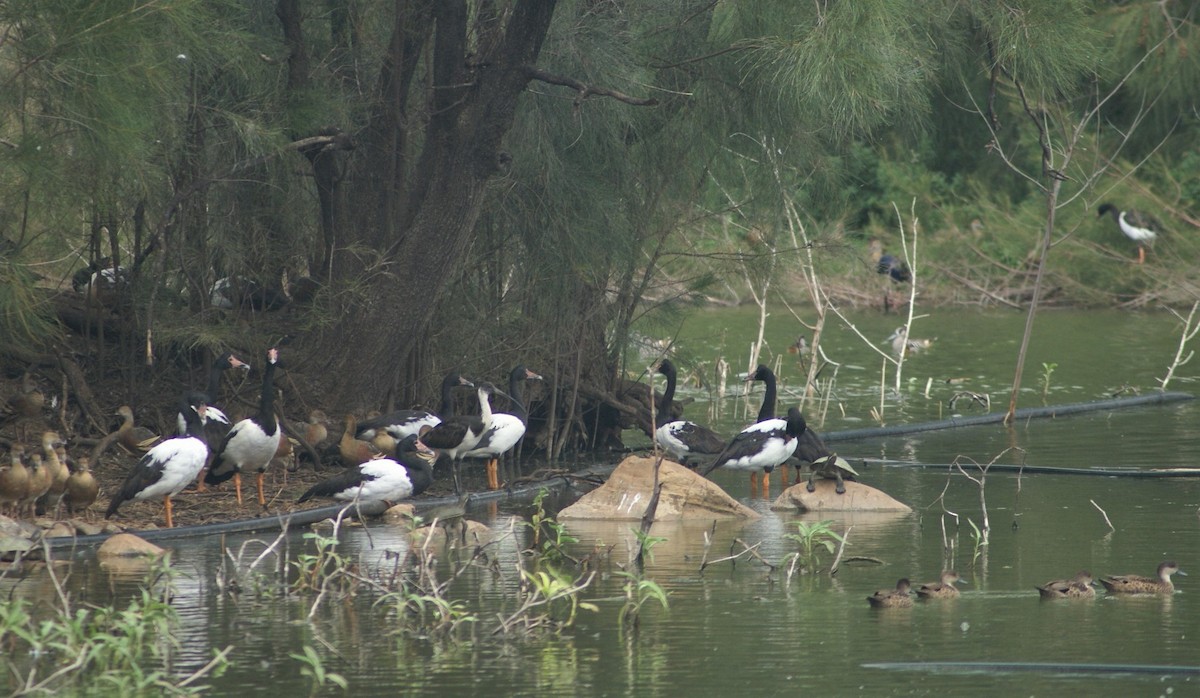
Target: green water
<point>743,629</point>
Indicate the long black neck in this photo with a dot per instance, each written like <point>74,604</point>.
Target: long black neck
<point>767,411</point>
<point>664,406</point>
<point>214,380</point>
<point>447,408</point>
<point>420,474</point>
<point>193,425</point>
<point>266,406</point>
<point>515,380</point>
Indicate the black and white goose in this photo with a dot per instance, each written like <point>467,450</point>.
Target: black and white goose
<point>766,419</point>
<point>171,465</point>
<point>383,479</point>
<point>507,427</point>
<point>681,438</point>
<point>216,423</point>
<point>1140,227</point>
<point>457,435</point>
<point>761,447</point>
<point>403,423</point>
<point>251,443</point>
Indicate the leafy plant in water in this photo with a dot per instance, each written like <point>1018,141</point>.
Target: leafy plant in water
<point>1047,372</point>
<point>550,537</point>
<point>639,591</point>
<point>812,537</point>
<point>129,649</point>
<point>324,570</point>
<point>314,668</point>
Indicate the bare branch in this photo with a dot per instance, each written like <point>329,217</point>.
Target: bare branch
<point>584,91</point>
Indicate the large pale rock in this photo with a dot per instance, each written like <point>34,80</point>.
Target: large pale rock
<point>684,495</point>
<point>128,545</point>
<point>400,514</point>
<point>858,497</point>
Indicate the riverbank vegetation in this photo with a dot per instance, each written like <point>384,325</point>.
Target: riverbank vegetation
<point>398,189</point>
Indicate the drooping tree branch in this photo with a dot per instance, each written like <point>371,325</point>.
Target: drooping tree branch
<point>584,90</point>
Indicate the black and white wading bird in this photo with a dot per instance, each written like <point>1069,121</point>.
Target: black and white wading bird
<point>761,447</point>
<point>382,479</point>
<point>457,435</point>
<point>251,443</point>
<point>1140,227</point>
<point>507,427</point>
<point>171,465</point>
<point>680,438</point>
<point>403,423</point>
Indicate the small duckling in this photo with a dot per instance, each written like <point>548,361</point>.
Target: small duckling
<point>14,481</point>
<point>1136,584</point>
<point>1081,586</point>
<point>943,589</point>
<point>82,488</point>
<point>893,598</point>
<point>137,439</point>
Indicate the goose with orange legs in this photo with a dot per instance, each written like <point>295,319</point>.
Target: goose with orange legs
<point>761,447</point>
<point>1140,227</point>
<point>458,435</point>
<point>171,465</point>
<point>251,443</point>
<point>507,427</point>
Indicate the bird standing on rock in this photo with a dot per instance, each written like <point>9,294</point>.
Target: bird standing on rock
<point>682,438</point>
<point>761,447</point>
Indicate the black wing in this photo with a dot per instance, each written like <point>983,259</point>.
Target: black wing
<point>351,477</point>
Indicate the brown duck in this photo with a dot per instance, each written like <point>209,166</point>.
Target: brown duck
<point>1136,584</point>
<point>893,598</point>
<point>354,451</point>
<point>82,488</point>
<point>943,589</point>
<point>137,439</point>
<point>14,481</point>
<point>1081,586</point>
<point>40,480</point>
<point>48,503</point>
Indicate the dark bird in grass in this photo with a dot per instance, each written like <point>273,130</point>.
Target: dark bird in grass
<point>1140,227</point>
<point>171,465</point>
<point>682,438</point>
<point>383,479</point>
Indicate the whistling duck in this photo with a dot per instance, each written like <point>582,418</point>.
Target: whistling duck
<point>171,465</point>
<point>382,479</point>
<point>458,435</point>
<point>681,438</point>
<point>82,488</point>
<point>1081,586</point>
<point>41,477</point>
<point>251,443</point>
<point>14,482</point>
<point>314,431</point>
<point>1140,227</point>
<point>942,589</point>
<point>507,427</point>
<point>356,451</point>
<point>29,400</point>
<point>892,598</point>
<point>761,446</point>
<point>48,502</point>
<point>1135,584</point>
<point>402,423</point>
<point>901,342</point>
<point>137,439</point>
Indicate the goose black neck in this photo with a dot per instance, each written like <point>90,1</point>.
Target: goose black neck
<point>447,408</point>
<point>420,473</point>
<point>515,380</point>
<point>667,369</point>
<point>193,425</point>
<point>214,380</point>
<point>767,411</point>
<point>266,405</point>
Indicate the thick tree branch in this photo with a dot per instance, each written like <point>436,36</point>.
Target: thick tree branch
<point>584,91</point>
